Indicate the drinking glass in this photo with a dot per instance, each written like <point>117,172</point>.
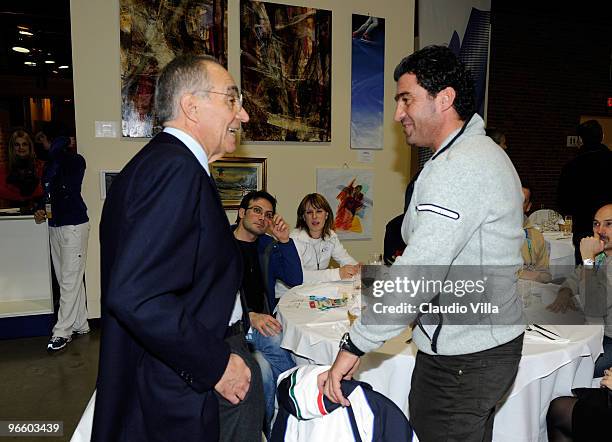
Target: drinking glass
<point>567,226</point>
<point>376,259</point>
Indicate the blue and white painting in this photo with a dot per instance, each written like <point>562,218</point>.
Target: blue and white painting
<point>367,82</point>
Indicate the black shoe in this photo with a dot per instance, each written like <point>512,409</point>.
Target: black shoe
<point>56,343</point>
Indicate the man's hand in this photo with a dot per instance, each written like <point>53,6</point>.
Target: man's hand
<point>590,247</point>
<point>40,216</point>
<point>329,381</point>
<point>278,228</point>
<point>265,324</point>
<point>236,380</point>
<point>348,271</point>
<point>606,381</point>
<point>562,302</point>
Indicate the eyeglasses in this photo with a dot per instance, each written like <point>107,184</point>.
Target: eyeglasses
<point>259,211</point>
<point>234,100</point>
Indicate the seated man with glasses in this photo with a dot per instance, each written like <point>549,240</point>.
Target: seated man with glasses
<point>268,255</point>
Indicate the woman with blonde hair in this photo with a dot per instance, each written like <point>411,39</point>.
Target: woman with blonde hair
<point>20,181</point>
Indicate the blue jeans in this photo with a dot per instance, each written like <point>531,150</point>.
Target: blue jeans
<point>605,360</point>
<point>273,360</point>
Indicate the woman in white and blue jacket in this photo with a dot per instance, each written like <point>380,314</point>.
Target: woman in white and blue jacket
<point>317,244</point>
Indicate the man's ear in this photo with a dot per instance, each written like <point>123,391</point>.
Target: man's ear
<point>241,213</point>
<point>189,106</point>
<point>446,98</point>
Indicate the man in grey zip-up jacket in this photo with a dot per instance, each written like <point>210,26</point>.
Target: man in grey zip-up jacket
<point>466,210</point>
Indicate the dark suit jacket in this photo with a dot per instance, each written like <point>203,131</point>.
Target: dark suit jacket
<point>170,271</point>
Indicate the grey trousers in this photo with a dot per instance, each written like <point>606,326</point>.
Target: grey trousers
<point>243,422</point>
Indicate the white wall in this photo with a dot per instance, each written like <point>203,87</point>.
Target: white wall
<point>291,167</point>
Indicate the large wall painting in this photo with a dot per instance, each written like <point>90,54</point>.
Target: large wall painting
<point>350,193</point>
<point>152,33</point>
<point>286,72</point>
<point>367,82</point>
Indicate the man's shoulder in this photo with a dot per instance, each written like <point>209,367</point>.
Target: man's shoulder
<point>165,151</point>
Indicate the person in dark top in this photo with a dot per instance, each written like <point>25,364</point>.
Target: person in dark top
<point>268,254</point>
<point>584,417</point>
<point>66,214</point>
<point>584,184</point>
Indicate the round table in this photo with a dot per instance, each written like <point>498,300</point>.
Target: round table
<point>547,369</point>
<point>561,253</point>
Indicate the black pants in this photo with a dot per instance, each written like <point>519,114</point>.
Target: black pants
<point>453,398</point>
<point>243,422</point>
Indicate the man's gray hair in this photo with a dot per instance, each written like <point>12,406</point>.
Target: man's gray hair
<point>182,75</point>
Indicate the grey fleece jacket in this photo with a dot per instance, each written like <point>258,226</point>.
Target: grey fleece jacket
<point>466,210</point>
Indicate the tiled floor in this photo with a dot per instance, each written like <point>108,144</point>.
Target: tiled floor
<point>38,386</point>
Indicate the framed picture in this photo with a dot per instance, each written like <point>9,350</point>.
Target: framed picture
<point>237,176</point>
<point>106,178</point>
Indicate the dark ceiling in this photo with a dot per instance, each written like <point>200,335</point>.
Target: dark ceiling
<point>49,22</point>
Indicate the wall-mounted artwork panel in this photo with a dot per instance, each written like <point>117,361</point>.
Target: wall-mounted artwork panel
<point>152,33</point>
<point>285,72</point>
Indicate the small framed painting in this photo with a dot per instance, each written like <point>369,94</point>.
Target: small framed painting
<point>237,176</point>
<point>106,178</point>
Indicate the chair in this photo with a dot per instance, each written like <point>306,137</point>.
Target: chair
<point>82,433</point>
<point>306,415</point>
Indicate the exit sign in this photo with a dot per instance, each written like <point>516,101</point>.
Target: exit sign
<point>609,101</point>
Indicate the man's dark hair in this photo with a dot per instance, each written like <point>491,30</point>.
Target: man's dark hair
<point>255,195</point>
<point>495,134</point>
<point>436,68</point>
<point>591,132</point>
<point>55,129</point>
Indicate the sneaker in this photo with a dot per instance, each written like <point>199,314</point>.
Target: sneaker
<point>56,343</point>
<point>81,332</point>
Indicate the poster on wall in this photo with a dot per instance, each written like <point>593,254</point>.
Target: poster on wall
<point>153,32</point>
<point>367,81</point>
<point>285,69</point>
<point>462,25</point>
<point>350,193</point>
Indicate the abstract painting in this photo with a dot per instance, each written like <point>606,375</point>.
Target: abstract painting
<point>285,69</point>
<point>367,82</point>
<point>152,33</point>
<point>237,176</point>
<point>350,194</point>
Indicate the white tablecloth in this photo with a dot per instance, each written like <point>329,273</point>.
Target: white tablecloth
<point>547,370</point>
<point>561,253</point>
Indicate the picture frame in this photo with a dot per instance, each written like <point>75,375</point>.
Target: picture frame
<point>106,178</point>
<point>237,176</point>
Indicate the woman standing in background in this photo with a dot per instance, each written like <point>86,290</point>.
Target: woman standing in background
<point>20,180</point>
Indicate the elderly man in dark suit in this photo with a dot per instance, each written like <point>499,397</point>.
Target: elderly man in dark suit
<point>171,272</point>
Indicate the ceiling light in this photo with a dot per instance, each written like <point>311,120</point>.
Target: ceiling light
<point>55,72</point>
<point>20,49</point>
<point>63,66</point>
<point>29,63</point>
<point>49,61</point>
<point>28,33</point>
